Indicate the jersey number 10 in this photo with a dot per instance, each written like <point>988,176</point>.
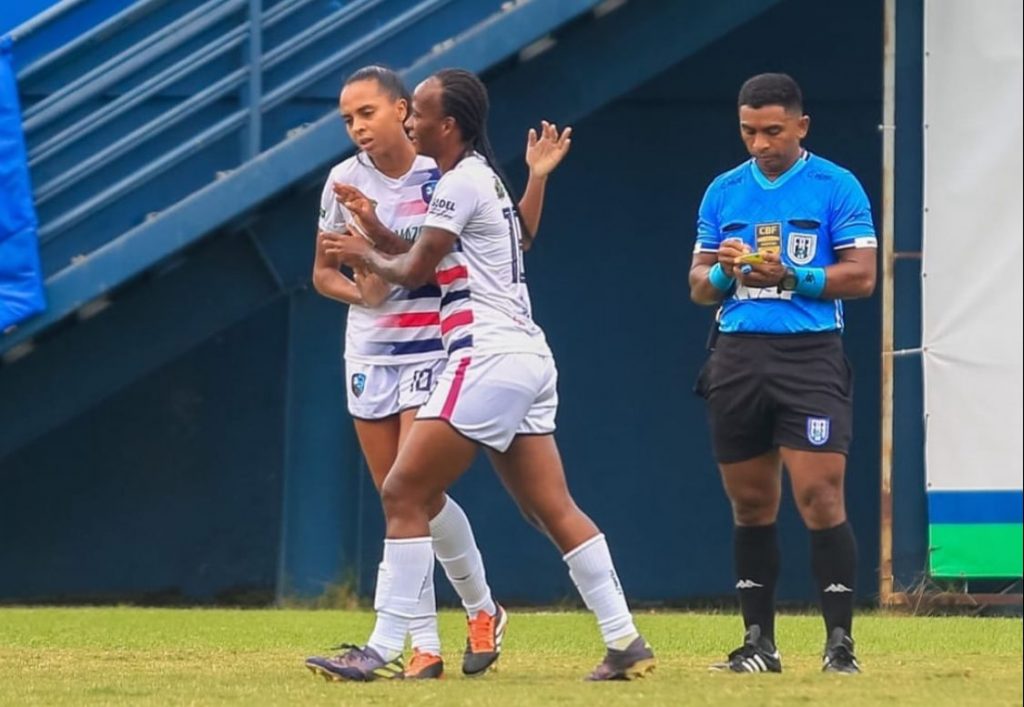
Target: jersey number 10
<point>516,235</point>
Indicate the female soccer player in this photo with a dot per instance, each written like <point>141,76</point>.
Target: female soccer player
<point>393,349</point>
<point>498,389</point>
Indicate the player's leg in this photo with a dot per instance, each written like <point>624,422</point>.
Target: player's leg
<point>395,391</point>
<point>814,429</point>
<point>373,405</point>
<point>531,469</point>
<point>433,457</point>
<point>453,540</point>
<point>426,661</point>
<point>378,440</point>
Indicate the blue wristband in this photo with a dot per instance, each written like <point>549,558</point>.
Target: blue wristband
<point>718,279</point>
<point>810,282</point>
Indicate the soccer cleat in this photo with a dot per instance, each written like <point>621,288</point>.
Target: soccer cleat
<point>757,655</point>
<point>838,656</point>
<point>356,664</point>
<point>483,645</point>
<point>634,661</point>
<point>424,666</point>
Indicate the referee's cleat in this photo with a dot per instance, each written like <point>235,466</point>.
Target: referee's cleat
<point>424,666</point>
<point>757,655</point>
<point>838,656</point>
<point>634,661</point>
<point>483,645</point>
<point>356,664</point>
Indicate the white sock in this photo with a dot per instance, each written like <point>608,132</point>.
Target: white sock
<point>457,552</point>
<point>423,629</point>
<point>591,569</point>
<point>400,580</point>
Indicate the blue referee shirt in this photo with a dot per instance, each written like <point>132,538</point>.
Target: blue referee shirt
<point>809,212</point>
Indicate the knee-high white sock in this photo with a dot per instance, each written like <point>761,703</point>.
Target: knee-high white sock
<point>423,629</point>
<point>400,580</point>
<point>591,569</point>
<point>457,552</point>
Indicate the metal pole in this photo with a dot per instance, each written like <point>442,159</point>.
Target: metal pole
<point>255,78</point>
<point>888,128</point>
<point>51,13</point>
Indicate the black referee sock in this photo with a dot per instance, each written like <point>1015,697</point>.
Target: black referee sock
<point>756,555</point>
<point>834,563</point>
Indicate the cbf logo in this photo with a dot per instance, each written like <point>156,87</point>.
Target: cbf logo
<point>801,247</point>
<point>358,384</point>
<point>427,190</point>
<point>818,430</point>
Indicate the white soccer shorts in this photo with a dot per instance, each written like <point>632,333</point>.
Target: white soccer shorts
<point>376,392</point>
<point>494,397</point>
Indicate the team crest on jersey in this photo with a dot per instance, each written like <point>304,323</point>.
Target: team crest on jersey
<point>499,188</point>
<point>358,383</point>
<point>802,247</point>
<point>818,429</point>
<point>427,190</point>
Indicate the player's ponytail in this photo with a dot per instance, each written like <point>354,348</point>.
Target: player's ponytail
<point>464,98</point>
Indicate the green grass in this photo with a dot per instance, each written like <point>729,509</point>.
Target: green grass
<point>132,656</point>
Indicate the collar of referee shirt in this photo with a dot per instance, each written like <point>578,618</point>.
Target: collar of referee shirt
<point>782,178</point>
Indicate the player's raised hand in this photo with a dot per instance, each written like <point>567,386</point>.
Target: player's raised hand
<point>728,251</point>
<point>545,150</point>
<point>765,274</point>
<point>361,206</point>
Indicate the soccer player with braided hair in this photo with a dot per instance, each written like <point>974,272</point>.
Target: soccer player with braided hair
<point>498,390</point>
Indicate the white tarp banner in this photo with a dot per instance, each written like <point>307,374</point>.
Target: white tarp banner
<point>973,244</point>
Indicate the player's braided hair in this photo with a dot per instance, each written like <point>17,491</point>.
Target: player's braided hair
<point>388,79</point>
<point>464,98</point>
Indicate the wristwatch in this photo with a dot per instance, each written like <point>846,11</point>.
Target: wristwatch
<point>788,281</point>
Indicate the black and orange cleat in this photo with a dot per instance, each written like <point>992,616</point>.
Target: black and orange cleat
<point>483,645</point>
<point>424,666</point>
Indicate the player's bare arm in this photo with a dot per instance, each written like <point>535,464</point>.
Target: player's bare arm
<point>410,270</point>
<point>328,280</point>
<point>544,151</point>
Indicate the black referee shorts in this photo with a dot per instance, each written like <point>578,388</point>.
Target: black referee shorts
<point>766,391</point>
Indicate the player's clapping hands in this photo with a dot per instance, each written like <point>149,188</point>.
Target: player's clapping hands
<point>544,150</point>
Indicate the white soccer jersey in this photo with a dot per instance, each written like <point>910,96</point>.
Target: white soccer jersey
<point>485,306</point>
<point>405,328</point>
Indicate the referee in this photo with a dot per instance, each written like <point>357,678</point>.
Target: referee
<point>782,239</point>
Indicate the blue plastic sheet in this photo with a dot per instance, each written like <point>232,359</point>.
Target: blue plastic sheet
<point>21,285</point>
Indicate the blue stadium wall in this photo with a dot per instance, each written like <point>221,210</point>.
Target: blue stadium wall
<point>173,489</point>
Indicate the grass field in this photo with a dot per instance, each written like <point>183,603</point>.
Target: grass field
<point>133,656</point>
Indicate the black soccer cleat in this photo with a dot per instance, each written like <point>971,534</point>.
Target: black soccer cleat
<point>757,655</point>
<point>838,656</point>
